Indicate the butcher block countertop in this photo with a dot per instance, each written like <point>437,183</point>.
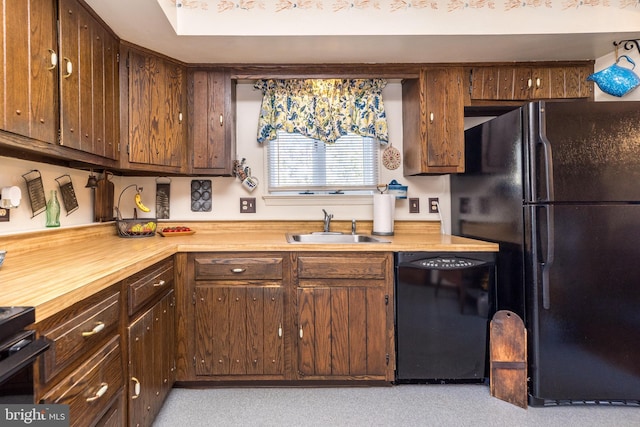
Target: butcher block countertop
<point>53,269</point>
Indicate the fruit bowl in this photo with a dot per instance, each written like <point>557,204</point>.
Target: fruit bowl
<point>141,227</point>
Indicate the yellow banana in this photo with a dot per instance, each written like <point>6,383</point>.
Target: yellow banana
<point>142,207</point>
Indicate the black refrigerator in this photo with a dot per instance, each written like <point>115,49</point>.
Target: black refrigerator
<point>557,185</point>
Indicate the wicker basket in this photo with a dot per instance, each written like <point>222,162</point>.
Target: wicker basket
<point>141,227</point>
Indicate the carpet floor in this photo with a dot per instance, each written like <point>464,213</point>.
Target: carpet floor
<point>401,405</point>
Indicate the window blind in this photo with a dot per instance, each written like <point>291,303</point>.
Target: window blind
<point>298,163</point>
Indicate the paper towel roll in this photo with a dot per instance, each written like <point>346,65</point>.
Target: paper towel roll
<point>383,211</point>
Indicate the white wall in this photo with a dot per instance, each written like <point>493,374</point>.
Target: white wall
<point>228,190</point>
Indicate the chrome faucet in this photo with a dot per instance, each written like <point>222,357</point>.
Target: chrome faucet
<point>327,221</point>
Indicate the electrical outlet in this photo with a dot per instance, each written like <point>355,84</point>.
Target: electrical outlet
<point>433,205</point>
<point>247,205</point>
<point>414,205</point>
<point>4,214</point>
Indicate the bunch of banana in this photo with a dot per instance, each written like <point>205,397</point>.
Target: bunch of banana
<point>139,204</point>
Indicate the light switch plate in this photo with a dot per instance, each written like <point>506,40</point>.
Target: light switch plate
<point>414,205</point>
<point>247,205</point>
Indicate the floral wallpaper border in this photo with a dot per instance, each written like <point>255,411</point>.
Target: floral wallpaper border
<point>391,6</point>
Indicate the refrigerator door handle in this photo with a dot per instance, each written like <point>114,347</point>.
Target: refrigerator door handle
<point>550,257</point>
<point>548,156</point>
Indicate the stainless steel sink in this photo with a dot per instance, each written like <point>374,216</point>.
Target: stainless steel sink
<point>333,238</point>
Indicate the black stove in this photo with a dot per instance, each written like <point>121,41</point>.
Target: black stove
<point>19,350</point>
<point>15,319</point>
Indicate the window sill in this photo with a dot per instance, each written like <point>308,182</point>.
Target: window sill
<point>317,199</point>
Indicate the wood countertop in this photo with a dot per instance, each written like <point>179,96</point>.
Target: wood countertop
<point>53,269</point>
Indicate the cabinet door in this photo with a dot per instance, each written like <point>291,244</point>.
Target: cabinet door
<point>156,97</point>
<point>28,89</point>
<point>88,82</point>
<point>576,84</point>
<point>433,122</point>
<point>151,360</point>
<point>105,89</point>
<point>445,119</point>
<point>239,330</point>
<point>342,332</point>
<point>140,370</point>
<point>212,133</point>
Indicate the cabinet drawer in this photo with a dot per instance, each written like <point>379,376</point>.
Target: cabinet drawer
<point>152,281</point>
<point>78,329</point>
<point>258,268</point>
<point>91,389</point>
<point>364,266</point>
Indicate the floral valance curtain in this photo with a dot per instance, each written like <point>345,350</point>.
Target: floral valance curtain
<point>323,109</point>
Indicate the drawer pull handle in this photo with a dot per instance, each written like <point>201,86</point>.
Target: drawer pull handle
<point>160,283</point>
<point>238,270</point>
<point>136,388</point>
<point>99,327</point>
<point>221,120</point>
<point>301,333</point>
<point>101,391</point>
<point>280,331</point>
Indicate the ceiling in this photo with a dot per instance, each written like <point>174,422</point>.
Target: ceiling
<point>142,22</point>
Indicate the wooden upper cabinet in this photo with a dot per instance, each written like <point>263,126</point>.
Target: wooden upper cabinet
<point>157,109</point>
<point>433,122</point>
<point>28,64</point>
<point>212,125</point>
<point>523,83</point>
<point>88,82</point>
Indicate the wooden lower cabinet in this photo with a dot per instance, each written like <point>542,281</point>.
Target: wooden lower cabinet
<point>344,316</point>
<point>341,332</point>
<point>286,317</point>
<point>234,323</point>
<point>239,330</point>
<point>151,339</point>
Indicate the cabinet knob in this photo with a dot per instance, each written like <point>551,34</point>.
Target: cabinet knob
<point>538,82</point>
<point>219,361</point>
<point>18,112</point>
<point>431,117</point>
<point>280,331</point>
<point>237,299</point>
<point>221,120</point>
<point>255,361</point>
<point>529,83</point>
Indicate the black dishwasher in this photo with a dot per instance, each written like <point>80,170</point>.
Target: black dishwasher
<point>444,302</point>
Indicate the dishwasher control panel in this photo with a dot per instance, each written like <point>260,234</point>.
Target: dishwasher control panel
<point>441,263</point>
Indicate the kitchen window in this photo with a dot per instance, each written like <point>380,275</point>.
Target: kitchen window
<point>301,165</point>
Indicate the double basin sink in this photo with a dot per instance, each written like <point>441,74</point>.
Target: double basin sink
<point>332,238</point>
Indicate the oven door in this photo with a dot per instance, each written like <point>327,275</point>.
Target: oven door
<point>17,356</point>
